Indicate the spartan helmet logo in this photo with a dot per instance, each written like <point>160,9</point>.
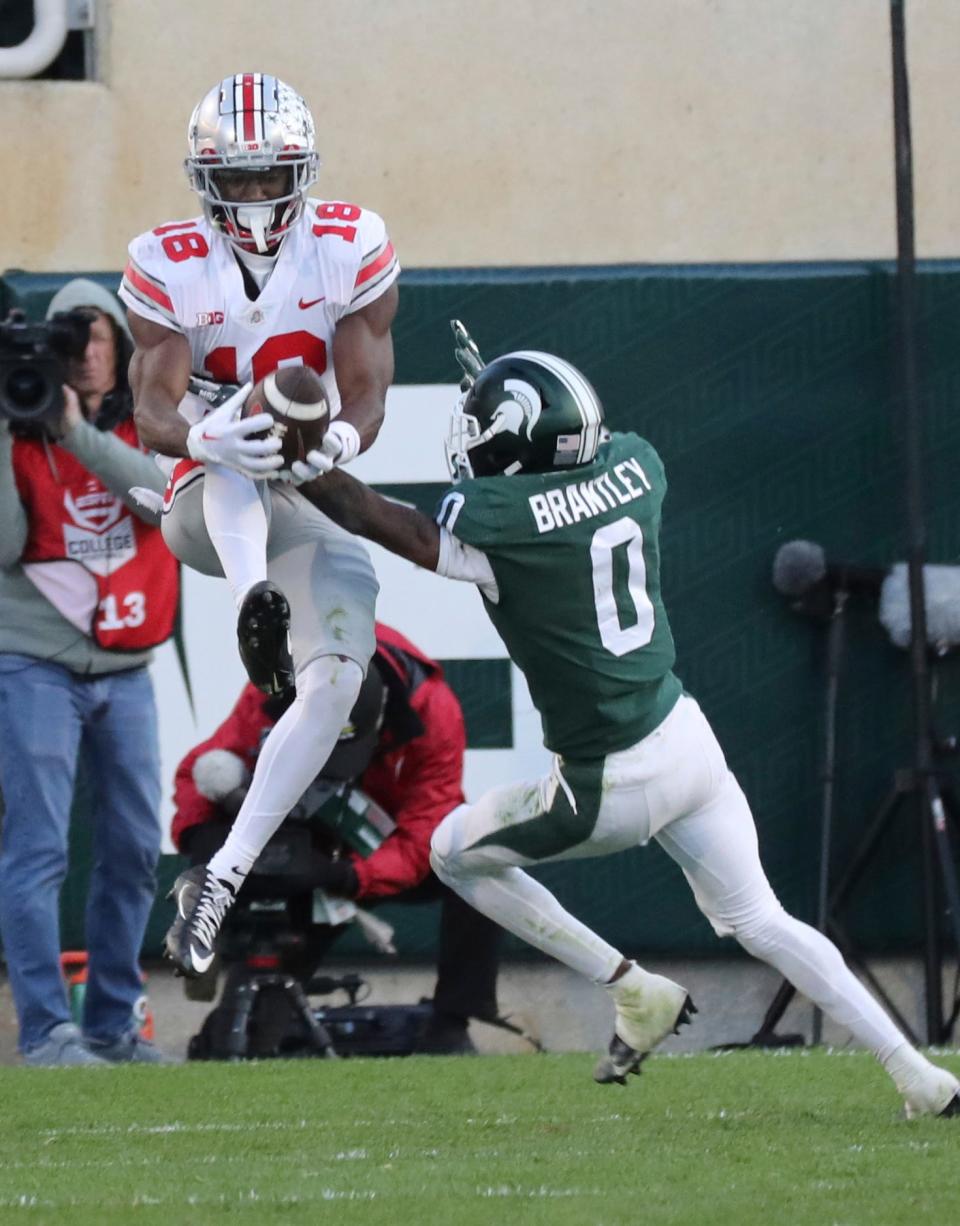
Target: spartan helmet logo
<point>521,412</point>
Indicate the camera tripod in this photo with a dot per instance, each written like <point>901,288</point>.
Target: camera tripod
<point>936,807</point>
<point>926,784</point>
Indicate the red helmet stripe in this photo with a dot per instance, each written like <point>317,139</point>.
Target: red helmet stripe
<point>247,102</point>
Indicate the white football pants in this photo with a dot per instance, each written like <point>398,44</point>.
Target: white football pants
<point>673,786</point>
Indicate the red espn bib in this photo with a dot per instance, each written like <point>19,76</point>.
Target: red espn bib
<point>106,571</point>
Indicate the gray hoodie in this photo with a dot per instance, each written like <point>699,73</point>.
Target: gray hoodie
<point>29,623</point>
<point>82,292</point>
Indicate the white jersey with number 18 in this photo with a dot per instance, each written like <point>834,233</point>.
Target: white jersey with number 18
<point>185,276</point>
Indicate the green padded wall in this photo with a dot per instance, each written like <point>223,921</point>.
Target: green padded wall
<point>770,392</point>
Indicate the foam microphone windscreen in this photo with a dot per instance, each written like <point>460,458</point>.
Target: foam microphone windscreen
<point>941,594</point>
<point>797,567</point>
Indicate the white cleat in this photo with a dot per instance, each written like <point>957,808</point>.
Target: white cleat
<point>934,1091</point>
<point>927,1089</point>
<point>649,1007</point>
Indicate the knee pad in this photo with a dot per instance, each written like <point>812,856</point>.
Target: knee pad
<point>329,685</point>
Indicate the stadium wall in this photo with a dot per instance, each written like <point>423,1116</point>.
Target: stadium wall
<point>498,133</point>
<point>769,391</point>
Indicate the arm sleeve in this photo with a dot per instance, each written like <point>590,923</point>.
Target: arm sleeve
<point>429,786</point>
<point>116,463</point>
<point>460,561</point>
<point>239,733</point>
<point>13,518</point>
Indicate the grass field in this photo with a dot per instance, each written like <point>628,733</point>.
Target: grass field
<point>794,1138</point>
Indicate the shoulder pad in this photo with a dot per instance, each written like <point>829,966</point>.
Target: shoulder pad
<point>481,512</point>
<point>355,241</point>
<point>175,252</point>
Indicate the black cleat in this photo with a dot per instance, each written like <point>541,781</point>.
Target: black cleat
<point>618,1063</point>
<point>263,636</point>
<point>202,902</point>
<point>621,1059</point>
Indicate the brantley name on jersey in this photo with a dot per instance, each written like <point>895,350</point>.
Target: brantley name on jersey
<point>568,504</point>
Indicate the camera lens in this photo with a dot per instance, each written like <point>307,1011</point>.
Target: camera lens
<point>25,388</point>
<point>69,331</point>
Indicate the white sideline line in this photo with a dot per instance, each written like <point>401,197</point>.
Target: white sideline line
<point>179,1127</point>
<point>70,1164</point>
<point>31,1201</point>
<point>252,1195</point>
<point>530,1193</point>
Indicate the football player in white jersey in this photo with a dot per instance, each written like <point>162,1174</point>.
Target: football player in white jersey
<point>264,278</point>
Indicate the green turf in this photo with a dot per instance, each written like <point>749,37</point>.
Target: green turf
<point>802,1137</point>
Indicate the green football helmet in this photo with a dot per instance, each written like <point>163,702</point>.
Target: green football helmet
<point>525,412</point>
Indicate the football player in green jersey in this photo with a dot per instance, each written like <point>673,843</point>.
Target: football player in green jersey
<point>557,523</point>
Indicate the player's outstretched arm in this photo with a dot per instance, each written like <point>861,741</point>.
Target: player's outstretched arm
<point>401,529</point>
<point>159,374</point>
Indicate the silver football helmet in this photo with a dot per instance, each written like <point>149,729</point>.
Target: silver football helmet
<point>251,124</point>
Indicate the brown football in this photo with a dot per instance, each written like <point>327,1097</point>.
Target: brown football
<point>295,399</point>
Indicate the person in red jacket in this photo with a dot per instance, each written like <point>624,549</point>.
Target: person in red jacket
<point>407,756</point>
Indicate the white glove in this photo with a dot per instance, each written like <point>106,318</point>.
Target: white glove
<point>224,437</point>
<point>377,931</point>
<point>341,442</point>
<point>340,445</point>
<point>149,499</point>
<point>315,465</point>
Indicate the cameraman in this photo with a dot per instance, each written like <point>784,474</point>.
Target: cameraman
<point>87,587</point>
<point>408,758</point>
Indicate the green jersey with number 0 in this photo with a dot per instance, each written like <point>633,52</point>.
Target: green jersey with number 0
<point>576,557</point>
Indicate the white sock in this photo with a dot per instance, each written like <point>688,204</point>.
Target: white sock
<point>236,523</point>
<point>905,1064</point>
<point>293,754</point>
<point>635,978</point>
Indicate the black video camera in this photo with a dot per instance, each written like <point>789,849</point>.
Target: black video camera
<point>33,361</point>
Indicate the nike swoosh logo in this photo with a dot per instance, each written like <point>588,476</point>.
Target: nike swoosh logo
<point>200,963</point>
<point>209,438</point>
<point>305,306</point>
